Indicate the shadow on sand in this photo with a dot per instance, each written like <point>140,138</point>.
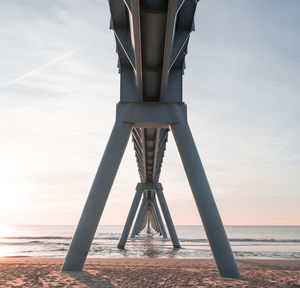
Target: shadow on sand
<point>91,280</point>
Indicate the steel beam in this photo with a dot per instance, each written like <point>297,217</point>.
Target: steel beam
<point>135,31</point>
<point>168,45</point>
<point>180,39</point>
<point>123,39</point>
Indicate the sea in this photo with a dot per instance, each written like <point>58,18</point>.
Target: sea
<point>265,242</point>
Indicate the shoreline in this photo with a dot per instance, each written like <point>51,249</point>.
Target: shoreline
<point>146,272</point>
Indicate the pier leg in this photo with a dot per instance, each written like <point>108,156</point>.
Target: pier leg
<point>148,221</point>
<point>97,197</point>
<point>159,219</point>
<point>203,196</point>
<point>130,217</point>
<point>143,223</point>
<point>139,218</point>
<point>168,219</point>
<point>154,221</point>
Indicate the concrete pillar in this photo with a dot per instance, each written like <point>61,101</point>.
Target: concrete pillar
<point>203,196</point>
<point>159,219</point>
<point>148,220</point>
<point>131,214</point>
<point>153,219</point>
<point>143,223</point>
<point>168,219</point>
<point>97,197</point>
<point>139,218</point>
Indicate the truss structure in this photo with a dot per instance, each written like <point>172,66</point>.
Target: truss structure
<point>151,40</point>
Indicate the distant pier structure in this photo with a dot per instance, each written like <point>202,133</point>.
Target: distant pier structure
<point>151,40</point>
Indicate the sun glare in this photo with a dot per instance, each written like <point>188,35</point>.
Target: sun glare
<point>4,231</point>
<point>12,196</point>
<point>5,250</point>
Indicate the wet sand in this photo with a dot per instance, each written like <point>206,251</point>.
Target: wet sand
<point>132,272</point>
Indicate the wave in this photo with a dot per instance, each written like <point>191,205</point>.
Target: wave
<point>107,238</point>
<point>21,243</point>
<point>265,240</point>
<point>52,238</point>
<point>31,243</point>
<point>38,240</point>
<point>246,240</point>
<point>35,237</point>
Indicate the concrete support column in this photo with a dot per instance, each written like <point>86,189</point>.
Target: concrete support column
<point>148,220</point>
<point>154,221</point>
<point>143,223</point>
<point>97,197</point>
<point>203,196</point>
<point>168,219</point>
<point>139,218</point>
<point>131,214</point>
<point>159,219</point>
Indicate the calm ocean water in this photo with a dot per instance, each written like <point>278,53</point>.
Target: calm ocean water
<point>275,242</point>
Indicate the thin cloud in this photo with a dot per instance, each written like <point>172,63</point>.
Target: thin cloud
<point>43,67</point>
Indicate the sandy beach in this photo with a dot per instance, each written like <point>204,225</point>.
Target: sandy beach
<point>130,272</point>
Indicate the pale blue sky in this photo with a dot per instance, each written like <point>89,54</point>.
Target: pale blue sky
<point>59,86</point>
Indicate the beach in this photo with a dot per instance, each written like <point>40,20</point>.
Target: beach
<point>141,272</point>
<point>32,256</point>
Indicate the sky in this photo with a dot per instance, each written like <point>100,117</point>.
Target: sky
<point>59,85</point>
